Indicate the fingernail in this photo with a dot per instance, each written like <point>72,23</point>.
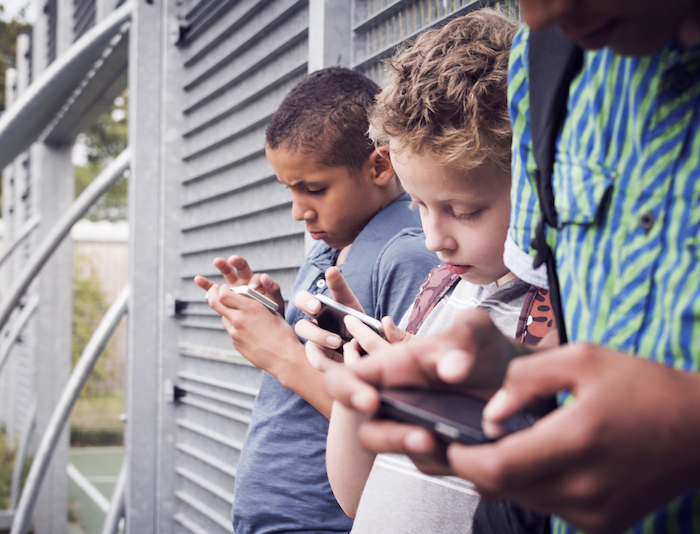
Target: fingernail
<point>362,400</point>
<point>454,364</point>
<point>415,441</point>
<point>492,430</point>
<point>312,305</point>
<point>333,341</point>
<point>496,405</point>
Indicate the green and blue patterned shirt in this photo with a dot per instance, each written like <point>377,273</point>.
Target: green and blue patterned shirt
<point>627,192</point>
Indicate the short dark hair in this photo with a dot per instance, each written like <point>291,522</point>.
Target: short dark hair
<point>326,115</point>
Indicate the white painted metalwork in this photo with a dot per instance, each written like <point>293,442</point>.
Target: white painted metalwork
<point>26,229</point>
<point>11,335</point>
<point>77,380</point>
<point>81,205</point>
<point>116,507</point>
<point>90,490</point>
<point>35,108</point>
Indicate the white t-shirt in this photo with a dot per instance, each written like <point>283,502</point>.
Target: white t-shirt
<point>398,498</point>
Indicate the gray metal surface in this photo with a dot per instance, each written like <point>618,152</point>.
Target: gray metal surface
<point>77,380</point>
<point>11,334</point>
<point>22,234</point>
<point>17,382</point>
<point>229,64</point>
<point>84,15</point>
<point>379,26</point>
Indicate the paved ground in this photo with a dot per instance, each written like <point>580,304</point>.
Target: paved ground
<point>100,466</point>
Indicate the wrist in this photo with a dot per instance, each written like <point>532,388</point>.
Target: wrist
<point>288,366</point>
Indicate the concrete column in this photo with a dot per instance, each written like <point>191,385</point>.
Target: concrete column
<point>145,268</point>
<point>329,33</point>
<point>329,44</point>
<point>51,191</point>
<point>54,180</point>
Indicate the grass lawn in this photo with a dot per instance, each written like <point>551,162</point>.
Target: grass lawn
<point>95,420</point>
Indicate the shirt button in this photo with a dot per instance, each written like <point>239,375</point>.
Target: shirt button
<point>321,283</point>
<point>646,221</point>
<point>682,81</point>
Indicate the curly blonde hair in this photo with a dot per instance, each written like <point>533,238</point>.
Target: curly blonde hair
<point>446,96</point>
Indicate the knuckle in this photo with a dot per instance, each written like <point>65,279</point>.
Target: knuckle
<point>496,474</point>
<point>584,354</point>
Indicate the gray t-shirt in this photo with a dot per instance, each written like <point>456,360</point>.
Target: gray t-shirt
<point>398,498</point>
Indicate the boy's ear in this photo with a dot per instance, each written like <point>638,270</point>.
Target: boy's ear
<point>382,169</point>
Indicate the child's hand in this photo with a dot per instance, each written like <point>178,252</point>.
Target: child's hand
<point>237,272</point>
<point>320,345</point>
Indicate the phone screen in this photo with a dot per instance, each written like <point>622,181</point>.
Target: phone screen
<point>451,416</point>
<point>331,317</point>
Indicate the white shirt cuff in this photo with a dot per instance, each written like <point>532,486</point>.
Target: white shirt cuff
<point>520,264</point>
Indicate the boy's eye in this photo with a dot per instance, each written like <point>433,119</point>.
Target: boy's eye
<point>467,216</point>
<point>415,204</point>
<point>316,191</point>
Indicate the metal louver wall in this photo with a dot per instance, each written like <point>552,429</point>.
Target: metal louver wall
<point>236,62</point>
<point>17,377</point>
<point>51,12</point>
<point>379,26</point>
<point>84,12</point>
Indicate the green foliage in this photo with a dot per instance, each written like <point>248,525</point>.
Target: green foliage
<point>95,421</point>
<point>7,462</point>
<point>8,49</point>
<point>89,307</point>
<point>105,140</point>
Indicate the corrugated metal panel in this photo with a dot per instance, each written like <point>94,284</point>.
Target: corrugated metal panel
<point>237,60</point>
<point>84,12</point>
<point>51,12</point>
<point>17,380</point>
<point>379,26</point>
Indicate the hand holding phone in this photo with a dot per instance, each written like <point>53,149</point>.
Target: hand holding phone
<point>450,415</point>
<point>332,314</point>
<point>252,293</point>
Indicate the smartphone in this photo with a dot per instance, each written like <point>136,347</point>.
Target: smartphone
<point>451,416</point>
<point>245,290</point>
<point>331,315</point>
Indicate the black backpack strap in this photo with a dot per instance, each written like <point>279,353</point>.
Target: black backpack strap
<point>553,62</point>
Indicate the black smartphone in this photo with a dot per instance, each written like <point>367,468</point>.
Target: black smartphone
<point>451,416</point>
<point>331,315</point>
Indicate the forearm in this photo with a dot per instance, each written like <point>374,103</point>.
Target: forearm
<point>347,462</point>
<point>296,374</point>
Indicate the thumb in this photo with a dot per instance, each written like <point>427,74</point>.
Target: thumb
<point>340,290</point>
<point>392,332</point>
<point>533,377</point>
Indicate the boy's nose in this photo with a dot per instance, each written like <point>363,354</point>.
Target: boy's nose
<point>437,235</point>
<point>301,212</point>
<point>540,14</point>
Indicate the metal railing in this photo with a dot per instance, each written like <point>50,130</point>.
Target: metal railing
<point>70,394</point>
<point>46,248</point>
<point>21,125</point>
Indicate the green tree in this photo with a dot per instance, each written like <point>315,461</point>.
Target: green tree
<point>89,307</point>
<point>104,141</point>
<point>8,47</point>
